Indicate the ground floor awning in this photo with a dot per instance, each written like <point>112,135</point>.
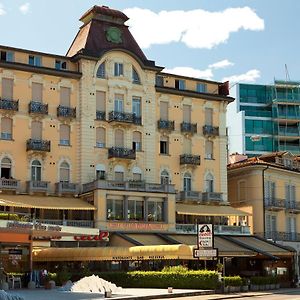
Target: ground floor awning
<point>208,210</point>
<point>45,202</point>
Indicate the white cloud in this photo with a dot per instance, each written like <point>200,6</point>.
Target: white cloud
<point>2,11</point>
<point>249,76</point>
<point>24,8</point>
<point>221,64</point>
<point>195,28</point>
<point>191,72</point>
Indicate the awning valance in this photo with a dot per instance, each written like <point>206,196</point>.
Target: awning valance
<point>45,202</point>
<point>208,210</point>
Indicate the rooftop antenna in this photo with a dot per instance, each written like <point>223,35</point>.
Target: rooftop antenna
<point>287,75</point>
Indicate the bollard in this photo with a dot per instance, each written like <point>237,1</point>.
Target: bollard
<point>170,290</point>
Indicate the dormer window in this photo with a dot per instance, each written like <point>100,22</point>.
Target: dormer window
<point>60,65</point>
<point>7,56</point>
<point>135,76</point>
<point>35,61</point>
<point>118,70</point>
<point>201,87</point>
<point>101,71</point>
<point>179,84</point>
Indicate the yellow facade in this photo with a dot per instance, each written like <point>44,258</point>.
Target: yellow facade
<point>120,153</point>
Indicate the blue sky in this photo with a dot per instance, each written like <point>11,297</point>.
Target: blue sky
<point>245,41</point>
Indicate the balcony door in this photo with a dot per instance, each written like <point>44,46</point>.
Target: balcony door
<point>119,138</point>
<point>119,103</point>
<point>36,171</point>
<point>187,182</point>
<point>36,130</point>
<point>136,106</point>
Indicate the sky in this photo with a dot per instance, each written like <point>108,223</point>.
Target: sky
<point>241,41</point>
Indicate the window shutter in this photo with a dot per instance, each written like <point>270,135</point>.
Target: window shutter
<point>119,138</point>
<point>209,149</point>
<point>64,131</point>
<point>287,193</point>
<point>100,101</point>
<point>65,94</point>
<point>37,92</point>
<point>6,125</point>
<point>137,177</point>
<point>293,193</point>
<point>119,176</point>
<point>137,137</point>
<point>187,146</point>
<point>208,116</point>
<point>7,88</point>
<point>64,174</point>
<point>164,111</point>
<point>100,135</point>
<point>273,190</point>
<point>36,130</point>
<point>187,113</point>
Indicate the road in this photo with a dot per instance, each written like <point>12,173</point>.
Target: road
<point>284,294</point>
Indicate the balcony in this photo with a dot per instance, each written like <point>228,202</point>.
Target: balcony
<point>66,112</point>
<point>35,186</point>
<point>289,131</point>
<point>138,186</point>
<point>118,152</point>
<point>10,185</point>
<point>189,195</point>
<point>100,115</point>
<point>218,229</point>
<point>166,125</point>
<point>9,104</point>
<point>38,108</point>
<point>210,130</point>
<point>292,206</point>
<point>189,159</point>
<point>117,116</point>
<point>188,128</point>
<point>274,204</point>
<point>281,236</point>
<point>38,145</point>
<point>212,197</point>
<point>66,188</point>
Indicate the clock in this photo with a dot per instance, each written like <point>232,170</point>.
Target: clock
<point>114,35</point>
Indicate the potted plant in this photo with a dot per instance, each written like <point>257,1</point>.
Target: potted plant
<point>49,280</point>
<point>63,276</point>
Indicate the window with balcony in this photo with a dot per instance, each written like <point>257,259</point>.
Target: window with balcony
<point>118,69</point>
<point>6,166</point>
<point>36,171</point>
<point>64,135</point>
<point>209,183</point>
<point>290,195</point>
<point>270,191</point>
<point>164,145</point>
<point>187,182</point>
<point>65,96</point>
<point>6,128</point>
<point>209,116</point>
<point>164,110</point>
<point>137,141</point>
<point>271,226</point>
<point>209,148</point>
<point>135,76</point>
<point>136,106</point>
<point>115,209</point>
<point>187,112</point>
<point>155,211</point>
<point>64,172</point>
<point>101,71</point>
<point>201,87</point>
<point>7,89</point>
<point>180,84</point>
<point>187,146</point>
<point>164,177</point>
<point>60,64</point>
<point>136,210</point>
<point>119,176</point>
<point>100,172</point>
<point>35,60</point>
<point>119,138</point>
<point>6,56</point>
<point>100,105</point>
<point>100,137</point>
<point>136,174</point>
<point>291,227</point>
<point>37,92</point>
<point>36,130</point>
<point>119,103</point>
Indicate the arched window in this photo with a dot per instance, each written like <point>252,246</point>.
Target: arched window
<point>36,171</point>
<point>135,76</point>
<point>119,138</point>
<point>137,141</point>
<point>209,183</point>
<point>100,137</point>
<point>101,71</point>
<point>187,182</point>
<point>164,177</point>
<point>136,174</point>
<point>119,173</point>
<point>64,172</point>
<point>6,168</point>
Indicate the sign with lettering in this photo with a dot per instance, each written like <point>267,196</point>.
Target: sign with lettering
<point>33,226</point>
<point>103,236</point>
<point>135,226</point>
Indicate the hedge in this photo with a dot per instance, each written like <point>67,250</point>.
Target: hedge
<point>262,280</point>
<point>233,281</point>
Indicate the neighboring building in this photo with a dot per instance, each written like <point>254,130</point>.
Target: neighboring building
<point>268,187</point>
<point>270,119</point>
<point>103,138</point>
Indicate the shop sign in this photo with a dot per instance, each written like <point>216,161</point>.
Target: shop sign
<point>103,236</point>
<point>36,226</point>
<point>135,226</point>
<point>15,251</point>
<point>146,257</point>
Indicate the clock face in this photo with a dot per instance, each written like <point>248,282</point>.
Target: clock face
<point>114,35</point>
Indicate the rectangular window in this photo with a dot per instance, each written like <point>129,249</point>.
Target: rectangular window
<point>37,92</point>
<point>137,141</point>
<point>64,135</point>
<point>179,84</point>
<point>164,147</point>
<point>119,103</point>
<point>137,177</point>
<point>7,56</point>
<point>136,106</point>
<point>136,210</point>
<point>209,116</point>
<point>155,211</point>
<point>36,130</point>
<point>201,88</point>
<point>118,70</point>
<point>65,96</point>
<point>6,128</point>
<point>100,174</point>
<point>209,150</point>
<point>115,209</point>
<point>35,61</point>
<point>7,88</point>
<point>60,65</point>
<point>187,111</point>
<point>100,101</point>
<point>100,137</point>
<point>164,108</point>
<point>119,176</point>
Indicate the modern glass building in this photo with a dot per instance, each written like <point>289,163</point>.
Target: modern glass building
<point>271,117</point>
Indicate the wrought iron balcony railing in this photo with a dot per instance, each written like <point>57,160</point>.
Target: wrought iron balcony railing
<point>189,159</point>
<point>38,108</point>
<point>66,112</point>
<point>118,152</point>
<point>280,236</point>
<point>9,104</point>
<point>188,127</point>
<point>100,115</point>
<point>212,196</point>
<point>38,145</point>
<point>166,124</point>
<point>274,204</point>
<point>123,117</point>
<point>293,206</point>
<point>210,130</point>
